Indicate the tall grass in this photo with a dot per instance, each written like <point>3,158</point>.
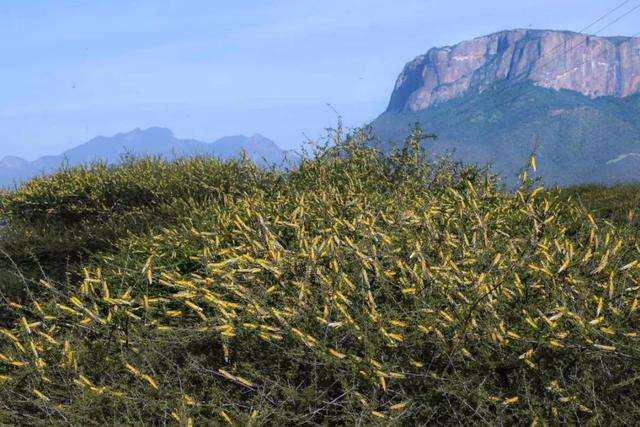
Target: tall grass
<point>355,289</point>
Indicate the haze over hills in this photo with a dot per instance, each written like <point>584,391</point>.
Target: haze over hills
<point>154,141</point>
<point>489,98</point>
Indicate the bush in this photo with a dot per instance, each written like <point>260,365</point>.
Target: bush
<point>618,204</point>
<point>57,222</point>
<point>356,289</point>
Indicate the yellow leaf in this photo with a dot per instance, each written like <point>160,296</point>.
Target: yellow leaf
<point>398,406</point>
<point>511,400</point>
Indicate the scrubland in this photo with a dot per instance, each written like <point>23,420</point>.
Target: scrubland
<point>354,289</point>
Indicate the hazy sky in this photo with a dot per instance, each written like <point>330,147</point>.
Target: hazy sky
<point>77,69</point>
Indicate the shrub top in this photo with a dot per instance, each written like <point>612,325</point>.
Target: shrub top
<point>354,289</point>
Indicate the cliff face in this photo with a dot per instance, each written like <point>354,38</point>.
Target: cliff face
<point>593,66</point>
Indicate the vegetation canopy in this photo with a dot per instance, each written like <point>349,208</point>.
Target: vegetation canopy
<point>354,289</point>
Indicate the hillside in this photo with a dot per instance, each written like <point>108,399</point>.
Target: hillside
<point>488,99</point>
<point>590,65</point>
<point>581,140</point>
<point>153,141</point>
<point>353,289</point>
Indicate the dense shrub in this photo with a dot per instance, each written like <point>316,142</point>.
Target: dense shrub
<point>619,204</point>
<point>60,220</point>
<point>355,289</point>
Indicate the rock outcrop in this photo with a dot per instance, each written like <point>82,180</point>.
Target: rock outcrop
<point>593,66</point>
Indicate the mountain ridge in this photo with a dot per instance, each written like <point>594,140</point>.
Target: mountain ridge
<point>153,141</point>
<point>611,67</point>
<point>494,115</point>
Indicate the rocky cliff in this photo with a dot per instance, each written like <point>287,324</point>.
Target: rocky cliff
<point>593,66</point>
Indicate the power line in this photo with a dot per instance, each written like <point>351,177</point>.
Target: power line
<point>602,29</point>
<point>532,89</point>
<point>512,100</point>
<point>604,16</point>
<point>523,74</point>
<point>518,78</point>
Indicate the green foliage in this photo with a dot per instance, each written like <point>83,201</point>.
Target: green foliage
<point>64,218</point>
<point>355,289</point>
<point>619,204</point>
<point>578,135</point>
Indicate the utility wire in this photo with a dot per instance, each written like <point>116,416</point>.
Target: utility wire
<point>528,91</point>
<point>463,115</point>
<point>602,29</point>
<point>533,89</point>
<point>512,100</point>
<point>606,15</point>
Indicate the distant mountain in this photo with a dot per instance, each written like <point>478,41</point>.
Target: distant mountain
<point>13,162</point>
<point>489,98</point>
<point>154,141</point>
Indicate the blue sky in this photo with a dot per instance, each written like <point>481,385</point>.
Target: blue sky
<point>73,70</point>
